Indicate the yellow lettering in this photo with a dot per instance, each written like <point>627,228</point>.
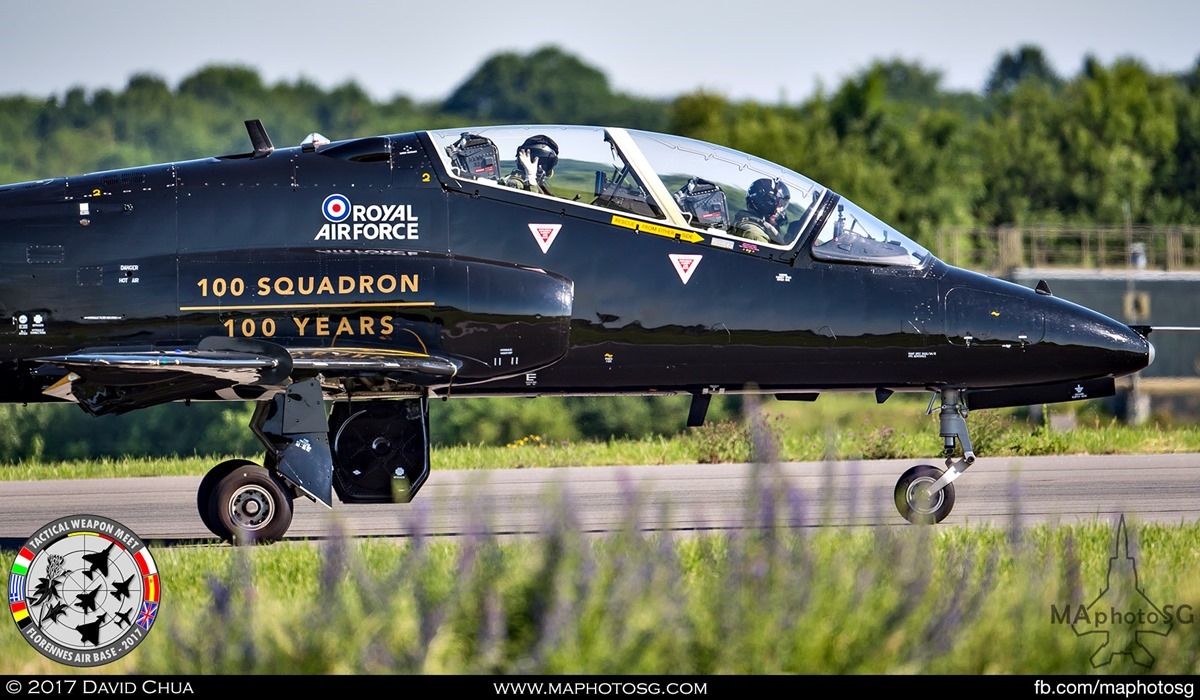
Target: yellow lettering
<point>345,284</point>
<point>388,281</point>
<point>284,287</point>
<point>300,285</point>
<point>385,325</point>
<point>366,325</point>
<point>409,283</point>
<point>264,286</point>
<point>366,284</point>
<point>322,325</point>
<point>300,323</point>
<point>344,327</point>
<point>326,287</point>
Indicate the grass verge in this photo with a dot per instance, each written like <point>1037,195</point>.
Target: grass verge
<point>994,435</point>
<point>773,599</point>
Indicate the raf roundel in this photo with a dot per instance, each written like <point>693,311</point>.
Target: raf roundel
<point>336,208</point>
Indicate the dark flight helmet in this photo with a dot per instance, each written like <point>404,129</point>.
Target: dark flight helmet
<point>768,196</point>
<point>544,150</point>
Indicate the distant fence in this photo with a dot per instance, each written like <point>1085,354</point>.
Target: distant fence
<point>1001,249</point>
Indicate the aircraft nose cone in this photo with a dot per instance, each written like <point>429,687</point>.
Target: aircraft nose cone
<point>1150,361</point>
<point>1106,346</point>
<point>1129,352</point>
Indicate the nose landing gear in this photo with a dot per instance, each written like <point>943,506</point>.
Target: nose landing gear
<point>925,494</point>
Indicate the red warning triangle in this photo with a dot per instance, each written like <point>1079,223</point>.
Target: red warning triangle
<point>685,265</point>
<point>544,234</point>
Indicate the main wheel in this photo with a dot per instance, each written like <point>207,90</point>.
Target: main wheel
<point>204,495</point>
<point>252,505</point>
<point>914,501</point>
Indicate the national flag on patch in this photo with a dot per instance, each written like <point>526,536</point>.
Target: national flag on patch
<point>21,565</point>
<point>16,588</point>
<point>21,615</point>
<point>151,588</point>
<point>146,617</point>
<point>145,563</point>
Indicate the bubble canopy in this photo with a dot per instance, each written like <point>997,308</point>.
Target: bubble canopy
<point>681,181</point>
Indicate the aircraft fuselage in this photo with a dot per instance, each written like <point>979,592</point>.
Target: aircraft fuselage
<point>370,245</point>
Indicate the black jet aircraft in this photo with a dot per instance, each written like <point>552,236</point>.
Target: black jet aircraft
<point>86,601</point>
<point>90,632</point>
<point>376,274</point>
<point>120,589</point>
<point>98,562</point>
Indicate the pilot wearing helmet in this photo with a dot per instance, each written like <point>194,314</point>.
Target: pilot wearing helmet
<point>536,158</point>
<point>767,201</point>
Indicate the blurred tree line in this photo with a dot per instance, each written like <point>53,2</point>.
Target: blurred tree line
<point>1112,141</point>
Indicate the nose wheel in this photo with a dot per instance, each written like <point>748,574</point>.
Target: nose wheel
<point>925,494</point>
<point>917,501</point>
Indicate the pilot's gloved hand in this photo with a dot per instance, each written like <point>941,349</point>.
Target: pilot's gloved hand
<point>529,165</point>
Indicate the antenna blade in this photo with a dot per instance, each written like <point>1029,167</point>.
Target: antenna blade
<point>259,139</point>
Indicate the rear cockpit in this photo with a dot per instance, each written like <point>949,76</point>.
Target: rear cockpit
<point>589,165</point>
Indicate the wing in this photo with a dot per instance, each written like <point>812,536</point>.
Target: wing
<point>106,381</point>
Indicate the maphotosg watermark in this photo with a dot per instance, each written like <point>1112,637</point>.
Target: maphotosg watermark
<point>1124,689</point>
<point>1122,618</point>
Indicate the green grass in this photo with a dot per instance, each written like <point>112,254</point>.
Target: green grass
<point>810,432</point>
<point>770,600</point>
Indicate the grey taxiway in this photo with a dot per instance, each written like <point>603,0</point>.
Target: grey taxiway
<point>675,498</point>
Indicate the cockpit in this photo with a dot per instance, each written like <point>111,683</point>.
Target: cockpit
<point>679,182</point>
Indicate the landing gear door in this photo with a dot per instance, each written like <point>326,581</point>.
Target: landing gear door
<point>380,449</point>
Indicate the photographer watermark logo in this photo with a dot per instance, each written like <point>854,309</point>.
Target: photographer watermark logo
<point>84,590</point>
<point>1122,618</point>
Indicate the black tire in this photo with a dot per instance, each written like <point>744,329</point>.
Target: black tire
<point>204,494</point>
<point>909,501</point>
<point>252,505</point>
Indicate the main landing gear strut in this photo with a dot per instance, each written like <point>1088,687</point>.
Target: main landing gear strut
<point>925,493</point>
<point>367,451</point>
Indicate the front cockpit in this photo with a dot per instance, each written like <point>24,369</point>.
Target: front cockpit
<point>734,197</point>
<point>851,234</point>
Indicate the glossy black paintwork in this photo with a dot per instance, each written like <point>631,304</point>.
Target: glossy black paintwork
<point>130,259</point>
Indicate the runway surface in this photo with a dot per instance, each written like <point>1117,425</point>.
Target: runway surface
<point>1150,488</point>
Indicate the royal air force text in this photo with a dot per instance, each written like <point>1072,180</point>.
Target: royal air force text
<point>375,222</point>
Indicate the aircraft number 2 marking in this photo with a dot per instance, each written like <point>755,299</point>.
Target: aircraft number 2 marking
<point>424,177</point>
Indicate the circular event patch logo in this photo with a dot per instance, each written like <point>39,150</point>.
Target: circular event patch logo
<point>336,208</point>
<point>84,590</point>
